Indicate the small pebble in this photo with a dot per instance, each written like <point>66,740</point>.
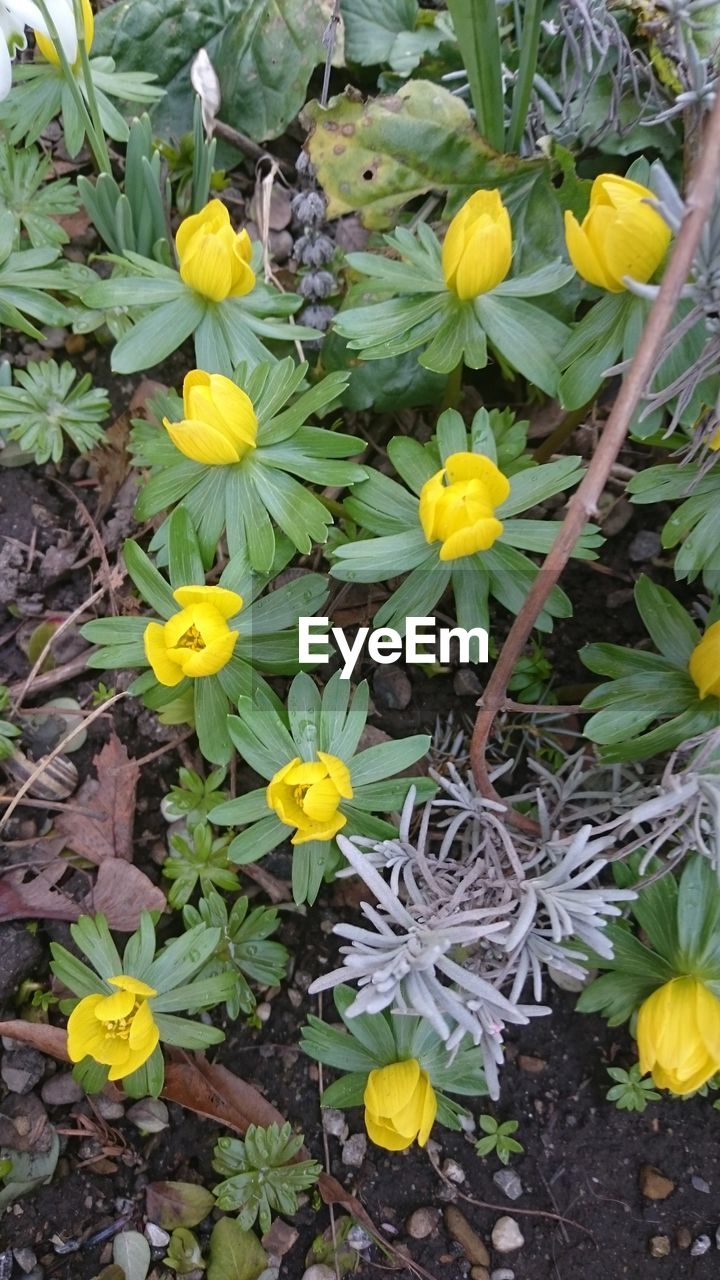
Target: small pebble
<point>700,1246</point>
<point>684,1238</point>
<point>502,1273</point>
<point>653,1184</point>
<point>334,1123</point>
<point>644,546</point>
<point>527,1062</point>
<point>479,1273</point>
<point>353,1152</point>
<point>467,1237</point>
<point>509,1183</point>
<point>22,1069</point>
<point>659,1246</point>
<point>466,683</point>
<point>392,688</point>
<point>507,1236</point>
<point>358,1238</point>
<point>155,1236</point>
<point>264,1011</point>
<point>453,1171</point>
<point>26,1260</point>
<point>109,1109</point>
<point>422,1223</point>
<point>700,1184</point>
<point>318,1271</point>
<point>61,1090</point>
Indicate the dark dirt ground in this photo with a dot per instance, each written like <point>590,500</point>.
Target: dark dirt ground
<point>582,1157</point>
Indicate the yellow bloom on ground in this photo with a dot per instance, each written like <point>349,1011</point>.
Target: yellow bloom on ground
<point>219,426</point>
<point>214,259</point>
<point>477,250</point>
<point>457,505</point>
<point>45,44</point>
<point>704,666</point>
<point>400,1105</point>
<point>197,641</point>
<point>117,1030</point>
<point>621,235</point>
<point>678,1035</point>
<point>307,795</point>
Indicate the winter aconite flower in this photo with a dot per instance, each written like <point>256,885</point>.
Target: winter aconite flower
<point>678,1035</point>
<point>477,250</point>
<point>116,1030</point>
<point>46,45</point>
<point>704,666</point>
<point>219,426</point>
<point>307,795</point>
<point>214,259</point>
<point>197,641</point>
<point>400,1105</point>
<point>15,15</point>
<point>621,234</point>
<point>457,505</point>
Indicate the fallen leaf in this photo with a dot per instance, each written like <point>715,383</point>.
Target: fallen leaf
<point>177,1204</point>
<point>280,1239</point>
<point>215,1092</point>
<point>47,1039</point>
<point>111,797</point>
<point>121,892</point>
<point>111,461</point>
<point>235,1254</point>
<point>143,392</point>
<point>24,894</point>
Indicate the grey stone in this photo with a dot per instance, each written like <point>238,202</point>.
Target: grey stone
<point>502,1273</point>
<point>700,1246</point>
<point>334,1123</point>
<point>26,1260</point>
<point>22,1069</point>
<point>466,684</point>
<point>509,1183</point>
<point>21,954</point>
<point>392,688</point>
<point>644,546</point>
<point>507,1236</point>
<point>353,1152</point>
<point>155,1236</point>
<point>61,1090</point>
<point>358,1238</point>
<point>453,1171</point>
<point>318,1271</point>
<point>700,1184</point>
<point>422,1223</point>
<point>108,1108</point>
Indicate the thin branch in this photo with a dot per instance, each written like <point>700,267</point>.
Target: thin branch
<point>583,504</point>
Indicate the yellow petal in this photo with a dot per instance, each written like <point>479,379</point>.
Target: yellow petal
<point>282,774</point>
<point>176,627</point>
<point>388,1089</point>
<point>704,665</point>
<point>281,798</point>
<point>321,801</point>
<point>166,671</point>
<point>243,276</point>
<point>305,772</point>
<point>707,1014</point>
<point>82,1028</point>
<point>309,830</point>
<point>476,466</point>
<point>112,1008</point>
<point>207,268</point>
<point>608,188</point>
<point>126,983</point>
<point>584,258</point>
<point>212,218</point>
<point>220,403</point>
<point>383,1135</point>
<point>477,537</point>
<point>430,498</point>
<point>636,243</point>
<point>340,774</point>
<point>211,659</point>
<point>227,603</point>
<point>202,443</point>
<point>144,1034</point>
<point>487,258</point>
<point>429,1109</point>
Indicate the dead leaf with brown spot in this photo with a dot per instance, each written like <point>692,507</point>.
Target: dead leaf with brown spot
<point>111,798</point>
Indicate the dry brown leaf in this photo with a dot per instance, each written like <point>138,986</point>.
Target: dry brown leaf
<point>24,894</point>
<point>215,1092</point>
<point>111,798</point>
<point>121,892</point>
<point>112,462</point>
<point>40,1035</point>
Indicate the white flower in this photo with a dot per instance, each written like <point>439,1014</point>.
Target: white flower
<point>16,15</point>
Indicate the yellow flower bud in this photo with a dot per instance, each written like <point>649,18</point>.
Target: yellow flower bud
<point>117,1030</point>
<point>678,1035</point>
<point>704,664</point>
<point>45,44</point>
<point>197,641</point>
<point>307,795</point>
<point>214,259</point>
<point>477,250</point>
<point>400,1105</point>
<point>621,235</point>
<point>457,505</point>
<point>219,426</point>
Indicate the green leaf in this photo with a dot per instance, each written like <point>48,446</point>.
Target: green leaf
<point>669,626</point>
<point>158,334</point>
<point>373,26</point>
<point>698,915</point>
<point>235,1254</point>
<point>178,1204</point>
<point>264,52</point>
<point>380,762</point>
<point>420,139</point>
<point>151,584</point>
<point>525,336</point>
<point>211,708</point>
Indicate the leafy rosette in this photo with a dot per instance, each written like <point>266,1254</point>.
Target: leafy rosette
<point>453,523</point>
<point>251,487</point>
<point>693,529</point>
<point>318,782</point>
<point>208,645</point>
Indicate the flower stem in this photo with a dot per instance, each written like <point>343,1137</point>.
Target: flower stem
<point>453,387</point>
<point>477,28</point>
<point>102,157</point>
<point>527,40</point>
<point>95,138</point>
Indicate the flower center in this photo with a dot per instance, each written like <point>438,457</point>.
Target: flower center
<point>121,1027</point>
<point>191,639</point>
<point>300,792</point>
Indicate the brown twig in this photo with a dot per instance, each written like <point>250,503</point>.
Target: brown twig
<point>583,504</point>
<point>51,679</point>
<point>64,625</point>
<point>502,1208</point>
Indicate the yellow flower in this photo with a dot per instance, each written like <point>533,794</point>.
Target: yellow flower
<point>197,641</point>
<point>46,46</point>
<point>118,1030</point>
<point>477,249</point>
<point>219,426</point>
<point>307,796</point>
<point>678,1035</point>
<point>619,236</point>
<point>400,1105</point>
<point>214,259</point>
<point>457,505</point>
<point>704,664</point>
